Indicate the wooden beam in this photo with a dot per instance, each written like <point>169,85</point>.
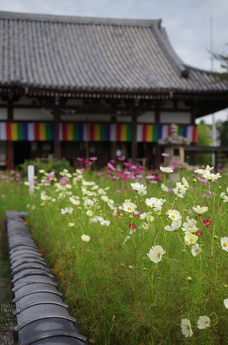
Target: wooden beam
<point>157,113</point>
<point>10,155</point>
<point>10,111</point>
<point>57,144</point>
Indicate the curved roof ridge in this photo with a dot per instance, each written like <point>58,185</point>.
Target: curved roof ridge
<point>79,20</point>
<point>168,51</point>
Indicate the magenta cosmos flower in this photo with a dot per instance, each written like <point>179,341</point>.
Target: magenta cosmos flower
<point>207,223</point>
<point>63,180</point>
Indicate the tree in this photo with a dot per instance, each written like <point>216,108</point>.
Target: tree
<point>203,131</point>
<point>224,65</point>
<point>223,133</point>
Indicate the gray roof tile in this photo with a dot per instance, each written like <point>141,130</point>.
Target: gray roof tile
<point>100,54</point>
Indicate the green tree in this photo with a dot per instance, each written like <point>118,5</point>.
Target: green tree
<point>204,139</point>
<point>223,133</point>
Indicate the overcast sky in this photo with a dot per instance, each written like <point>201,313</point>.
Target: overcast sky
<point>187,23</point>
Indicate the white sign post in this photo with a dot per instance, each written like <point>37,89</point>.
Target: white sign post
<point>31,178</point>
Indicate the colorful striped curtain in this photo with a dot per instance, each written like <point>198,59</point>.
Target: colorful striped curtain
<point>90,132</point>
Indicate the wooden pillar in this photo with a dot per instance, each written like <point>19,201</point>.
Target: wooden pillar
<point>10,146</point>
<point>193,116</point>
<point>57,144</point>
<point>113,150</point>
<point>10,155</point>
<point>134,151</point>
<point>157,113</point>
<point>10,111</point>
<point>157,156</point>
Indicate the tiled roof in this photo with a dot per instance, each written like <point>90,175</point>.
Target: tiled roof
<point>94,54</point>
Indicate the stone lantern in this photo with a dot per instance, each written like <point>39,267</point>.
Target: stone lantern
<point>174,146</point>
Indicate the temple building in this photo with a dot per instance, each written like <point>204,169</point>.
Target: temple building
<point>80,87</point>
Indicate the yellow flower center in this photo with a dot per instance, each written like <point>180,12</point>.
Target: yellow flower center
<point>129,208</point>
<point>159,255</point>
<point>191,240</point>
<point>188,327</point>
<point>224,244</point>
<point>206,322</point>
<point>153,204</point>
<point>173,216</point>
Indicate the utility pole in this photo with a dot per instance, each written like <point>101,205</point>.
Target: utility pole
<point>213,157</point>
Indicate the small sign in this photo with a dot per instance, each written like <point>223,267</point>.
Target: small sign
<point>31,178</point>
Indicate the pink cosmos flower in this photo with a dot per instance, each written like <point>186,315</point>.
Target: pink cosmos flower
<point>165,154</point>
<point>93,158</point>
<point>51,175</point>
<point>199,233</point>
<point>111,166</point>
<point>132,225</point>
<point>79,159</point>
<point>207,223</point>
<point>63,180</point>
<point>117,215</point>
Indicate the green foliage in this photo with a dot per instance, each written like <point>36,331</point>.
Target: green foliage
<point>117,294</point>
<point>223,131</point>
<point>53,164</point>
<point>203,131</point>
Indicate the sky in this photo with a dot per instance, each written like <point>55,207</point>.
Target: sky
<point>194,27</point>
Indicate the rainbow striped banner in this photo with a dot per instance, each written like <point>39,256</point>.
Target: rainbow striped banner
<point>153,133</point>
<point>26,131</point>
<point>90,132</point>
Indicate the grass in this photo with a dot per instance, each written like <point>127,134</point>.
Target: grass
<point>115,291</point>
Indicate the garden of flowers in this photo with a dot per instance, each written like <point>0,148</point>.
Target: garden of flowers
<point>141,258</point>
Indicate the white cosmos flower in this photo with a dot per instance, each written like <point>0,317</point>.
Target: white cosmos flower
<point>88,203</point>
<point>203,322</point>
<point>145,226</point>
<point>93,220</point>
<point>174,226</point>
<point>195,249</point>
<point>105,222</point>
<point>155,203</point>
<point>89,213</point>
<point>155,254</point>
<point>201,171</point>
<point>225,301</point>
<point>101,191</point>
<point>129,207</point>
<point>71,225</point>
<point>186,328</point>
<point>75,202</point>
<point>190,239</point>
<point>185,182</point>
<point>189,225</point>
<point>66,210</point>
<point>85,238</point>
<point>174,215</point>
<point>179,192</point>
<point>139,187</point>
<point>166,169</point>
<point>200,210</point>
<point>164,188</point>
<point>224,197</point>
<point>105,198</point>
<point>86,192</point>
<point>224,243</point>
